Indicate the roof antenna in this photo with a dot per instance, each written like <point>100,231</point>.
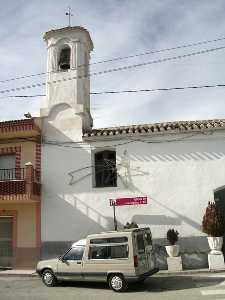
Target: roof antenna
<point>69,14</point>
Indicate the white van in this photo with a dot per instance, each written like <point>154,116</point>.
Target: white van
<point>116,257</point>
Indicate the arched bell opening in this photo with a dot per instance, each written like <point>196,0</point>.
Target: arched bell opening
<point>64,58</point>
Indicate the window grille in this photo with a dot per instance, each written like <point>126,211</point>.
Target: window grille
<point>105,169</point>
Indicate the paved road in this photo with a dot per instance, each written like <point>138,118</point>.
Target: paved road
<point>186,287</point>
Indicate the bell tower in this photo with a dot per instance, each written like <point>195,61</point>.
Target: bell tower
<point>68,80</point>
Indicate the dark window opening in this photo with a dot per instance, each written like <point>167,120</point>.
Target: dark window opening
<point>219,197</point>
<point>105,169</point>
<point>64,59</point>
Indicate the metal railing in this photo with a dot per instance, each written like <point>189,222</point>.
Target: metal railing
<point>13,181</point>
<point>12,174</point>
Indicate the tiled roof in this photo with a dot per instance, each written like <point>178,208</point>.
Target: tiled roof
<point>149,129</point>
<point>17,125</point>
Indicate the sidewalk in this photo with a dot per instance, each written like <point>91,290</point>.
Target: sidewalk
<point>20,273</point>
<point>32,273</point>
<point>189,272</point>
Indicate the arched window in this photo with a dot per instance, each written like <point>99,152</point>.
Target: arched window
<point>105,169</point>
<point>64,58</point>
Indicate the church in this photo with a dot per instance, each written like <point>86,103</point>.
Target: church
<point>177,167</point>
<point>160,175</point>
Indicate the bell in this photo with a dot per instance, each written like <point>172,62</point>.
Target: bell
<point>64,60</point>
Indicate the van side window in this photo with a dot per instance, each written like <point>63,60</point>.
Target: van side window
<point>75,253</point>
<point>122,239</point>
<point>140,243</point>
<point>108,251</point>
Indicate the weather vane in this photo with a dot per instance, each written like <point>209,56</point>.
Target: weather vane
<point>69,14</point>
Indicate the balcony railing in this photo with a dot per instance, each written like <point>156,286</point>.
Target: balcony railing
<point>17,174</point>
<point>20,181</point>
<point>12,174</point>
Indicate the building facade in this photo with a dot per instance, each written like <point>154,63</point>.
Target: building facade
<point>178,166</point>
<point>20,189</point>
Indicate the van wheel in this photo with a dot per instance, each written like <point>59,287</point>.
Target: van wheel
<point>49,278</point>
<point>117,283</point>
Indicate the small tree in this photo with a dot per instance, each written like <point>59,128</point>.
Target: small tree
<point>213,222</point>
<point>172,236</point>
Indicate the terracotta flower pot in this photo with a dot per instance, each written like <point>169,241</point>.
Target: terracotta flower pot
<point>173,250</point>
<point>215,244</point>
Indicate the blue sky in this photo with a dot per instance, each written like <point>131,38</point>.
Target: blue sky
<point>120,28</point>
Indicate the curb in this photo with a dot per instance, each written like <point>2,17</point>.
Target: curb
<point>17,274</point>
<point>189,272</point>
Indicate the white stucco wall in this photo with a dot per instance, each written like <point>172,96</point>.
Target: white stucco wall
<point>178,177</point>
<point>177,172</point>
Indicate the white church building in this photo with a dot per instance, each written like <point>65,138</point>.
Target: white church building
<point>178,166</point>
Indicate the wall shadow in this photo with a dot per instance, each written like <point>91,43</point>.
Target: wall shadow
<point>156,220</point>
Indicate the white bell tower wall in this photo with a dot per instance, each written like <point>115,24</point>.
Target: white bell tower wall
<point>67,72</point>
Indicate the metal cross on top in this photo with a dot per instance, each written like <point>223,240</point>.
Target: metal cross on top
<point>69,14</point>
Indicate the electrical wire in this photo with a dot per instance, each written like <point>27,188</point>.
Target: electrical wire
<point>148,52</point>
<point>128,67</point>
<point>159,89</point>
<point>68,144</point>
<point>131,91</point>
<point>86,144</point>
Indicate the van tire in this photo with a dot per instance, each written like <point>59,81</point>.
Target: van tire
<point>117,283</point>
<point>48,278</point>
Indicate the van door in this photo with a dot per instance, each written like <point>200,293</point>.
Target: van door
<point>70,265</point>
<point>149,250</point>
<point>143,249</point>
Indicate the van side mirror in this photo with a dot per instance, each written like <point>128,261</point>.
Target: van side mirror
<point>61,257</point>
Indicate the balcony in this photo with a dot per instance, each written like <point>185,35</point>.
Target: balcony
<point>20,184</point>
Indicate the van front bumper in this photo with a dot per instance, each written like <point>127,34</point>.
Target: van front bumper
<point>141,277</point>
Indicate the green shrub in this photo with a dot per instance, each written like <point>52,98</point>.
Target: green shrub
<point>172,236</point>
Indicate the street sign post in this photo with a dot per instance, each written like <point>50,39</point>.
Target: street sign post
<point>126,201</point>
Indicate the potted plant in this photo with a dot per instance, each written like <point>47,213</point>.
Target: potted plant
<point>213,224</point>
<point>172,237</point>
<point>130,225</point>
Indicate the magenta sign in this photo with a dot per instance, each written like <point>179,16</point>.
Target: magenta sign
<point>131,201</point>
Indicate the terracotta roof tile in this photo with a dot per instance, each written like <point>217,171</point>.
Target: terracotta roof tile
<point>168,127</point>
<point>17,125</point>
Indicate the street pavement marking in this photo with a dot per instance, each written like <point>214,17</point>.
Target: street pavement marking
<point>212,292</point>
<point>211,285</point>
<point>217,275</point>
<point>204,283</point>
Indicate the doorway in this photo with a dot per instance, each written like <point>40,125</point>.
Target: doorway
<point>6,241</point>
<point>219,197</point>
